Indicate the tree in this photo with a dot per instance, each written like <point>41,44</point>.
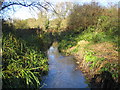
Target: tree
<point>84,15</point>
<point>62,9</point>
<point>31,4</point>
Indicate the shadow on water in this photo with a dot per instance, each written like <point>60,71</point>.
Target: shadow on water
<point>104,80</point>
<point>62,73</point>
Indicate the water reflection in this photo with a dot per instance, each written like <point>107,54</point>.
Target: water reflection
<point>62,73</point>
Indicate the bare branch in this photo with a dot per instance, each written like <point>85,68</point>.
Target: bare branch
<point>21,4</point>
<point>52,7</point>
<point>31,5</point>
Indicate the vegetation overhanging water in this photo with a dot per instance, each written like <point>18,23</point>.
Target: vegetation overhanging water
<point>91,36</point>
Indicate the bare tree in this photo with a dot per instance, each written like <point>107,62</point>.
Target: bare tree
<point>27,3</point>
<point>10,5</point>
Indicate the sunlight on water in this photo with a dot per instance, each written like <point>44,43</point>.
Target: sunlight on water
<point>62,73</point>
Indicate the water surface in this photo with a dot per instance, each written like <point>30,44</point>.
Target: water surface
<point>62,73</point>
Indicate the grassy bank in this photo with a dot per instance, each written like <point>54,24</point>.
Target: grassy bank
<point>24,62</point>
<point>95,53</point>
<point>89,32</point>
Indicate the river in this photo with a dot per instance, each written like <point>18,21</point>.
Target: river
<point>62,72</point>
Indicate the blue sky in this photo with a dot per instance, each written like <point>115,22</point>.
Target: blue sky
<point>24,13</point>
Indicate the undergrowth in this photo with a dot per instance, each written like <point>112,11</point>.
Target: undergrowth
<point>23,65</point>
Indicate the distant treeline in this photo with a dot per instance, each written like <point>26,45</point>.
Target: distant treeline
<point>72,16</point>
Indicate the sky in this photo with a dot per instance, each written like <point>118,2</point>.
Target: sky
<point>25,13</point>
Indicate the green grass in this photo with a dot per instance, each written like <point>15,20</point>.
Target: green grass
<point>24,59</point>
<point>111,67</point>
<point>90,57</point>
<point>93,37</point>
<point>23,65</point>
<point>91,34</point>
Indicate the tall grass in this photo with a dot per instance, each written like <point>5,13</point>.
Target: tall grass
<point>23,65</point>
<point>24,61</point>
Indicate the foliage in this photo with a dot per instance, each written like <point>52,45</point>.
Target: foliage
<point>21,24</point>
<point>24,60</point>
<point>67,41</point>
<point>111,67</point>
<point>23,65</point>
<point>89,57</point>
<point>103,32</point>
<point>84,15</point>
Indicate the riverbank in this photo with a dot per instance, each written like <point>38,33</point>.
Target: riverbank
<point>23,59</point>
<point>98,62</point>
<point>91,36</point>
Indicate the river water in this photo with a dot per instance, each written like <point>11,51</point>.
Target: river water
<point>62,73</point>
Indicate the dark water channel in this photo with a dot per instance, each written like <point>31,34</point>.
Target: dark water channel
<point>62,73</point>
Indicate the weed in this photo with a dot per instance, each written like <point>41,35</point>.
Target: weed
<point>111,67</point>
<point>21,63</point>
<point>90,57</point>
